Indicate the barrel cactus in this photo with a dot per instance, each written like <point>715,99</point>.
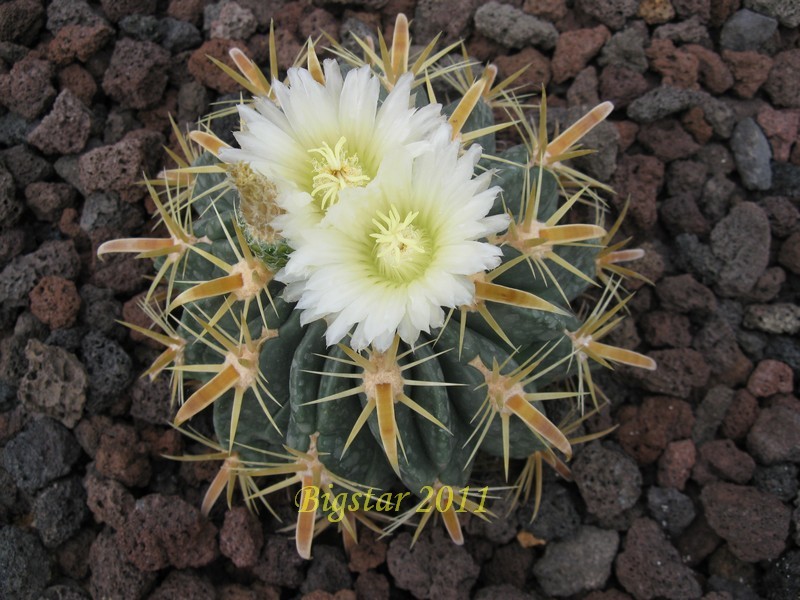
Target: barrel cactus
<point>368,294</point>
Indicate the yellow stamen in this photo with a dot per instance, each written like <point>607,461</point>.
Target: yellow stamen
<point>335,171</point>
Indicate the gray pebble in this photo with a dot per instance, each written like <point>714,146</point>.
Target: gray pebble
<point>747,30</point>
<point>751,151</point>
<point>513,28</point>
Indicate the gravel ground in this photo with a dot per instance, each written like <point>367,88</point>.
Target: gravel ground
<point>695,495</point>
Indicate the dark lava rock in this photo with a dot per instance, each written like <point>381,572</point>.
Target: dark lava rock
<point>782,579</point>
<point>166,530</point>
<point>419,569</point>
<point>137,74</point>
<point>740,242</point>
<point>755,524</point>
<point>109,368</point>
<point>112,575</point>
<point>650,567</point>
<point>721,458</point>
<point>47,200</point>
<point>747,30</point>
<point>241,537</point>
<point>594,549</point>
<point>45,450</point>
<point>279,563</point>
<point>513,28</point>
<point>54,383</point>
<point>557,517</point>
<point>780,480</point>
<point>27,89</point>
<point>20,21</point>
<point>645,431</point>
<point>109,501</point>
<point>122,456</point>
<point>679,371</point>
<point>510,564</point>
<point>69,591</point>
<point>673,510</point>
<point>328,571</point>
<point>782,84</point>
<point>24,564</point>
<point>775,436</point>
<point>752,153</point>
<point>609,481</point>
<point>613,13</point>
<point>65,129</point>
<point>59,510</point>
<point>184,584</point>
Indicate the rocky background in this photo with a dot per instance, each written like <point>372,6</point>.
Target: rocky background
<point>694,495</point>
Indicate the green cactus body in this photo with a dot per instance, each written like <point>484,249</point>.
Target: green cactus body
<point>286,404</point>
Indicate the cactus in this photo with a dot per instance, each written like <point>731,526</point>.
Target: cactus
<point>349,408</point>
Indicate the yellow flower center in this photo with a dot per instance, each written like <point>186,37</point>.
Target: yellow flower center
<point>334,170</point>
<point>401,249</point>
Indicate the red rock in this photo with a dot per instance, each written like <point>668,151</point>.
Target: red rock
<point>66,129</point>
<point>716,341</point>
<point>583,91</point>
<point>372,585</point>
<point>627,133</point>
<point>675,464</point>
<point>108,499</point>
<point>667,140</point>
<point>666,329</point>
<point>574,50</point>
<point>370,552</point>
<point>781,128</point>
<point>687,9</point>
<point>714,73</point>
<point>693,121</point>
<point>783,84</point>
<point>659,421</point>
<point>27,89</point>
<point>119,167</point>
<point>241,537</point>
<point>621,85</point>
<point>678,67</point>
<point>317,22</point>
<point>48,200</point>
<point>187,10</point>
<point>184,584</point>
<point>721,458</point>
<point>640,177</point>
<point>679,371</point>
<point>680,214</point>
<point>775,436</point>
<point>755,524</point>
<point>55,302</point>
<point>166,530</point>
<point>89,430</point>
<point>655,12</point>
<point>697,542</point>
<point>79,81</point>
<point>740,416</point>
<point>207,73</point>
<point>537,72</point>
<point>684,294</point>
<point>161,442</point>
<point>117,9</point>
<point>771,377</point>
<point>750,71</point>
<point>650,567</point>
<point>721,10</point>
<point>122,456</point>
<point>551,10</point>
<point>112,576</point>
<point>78,41</point>
<point>137,74</point>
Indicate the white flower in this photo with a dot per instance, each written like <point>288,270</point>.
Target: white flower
<point>388,257</point>
<point>321,139</point>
